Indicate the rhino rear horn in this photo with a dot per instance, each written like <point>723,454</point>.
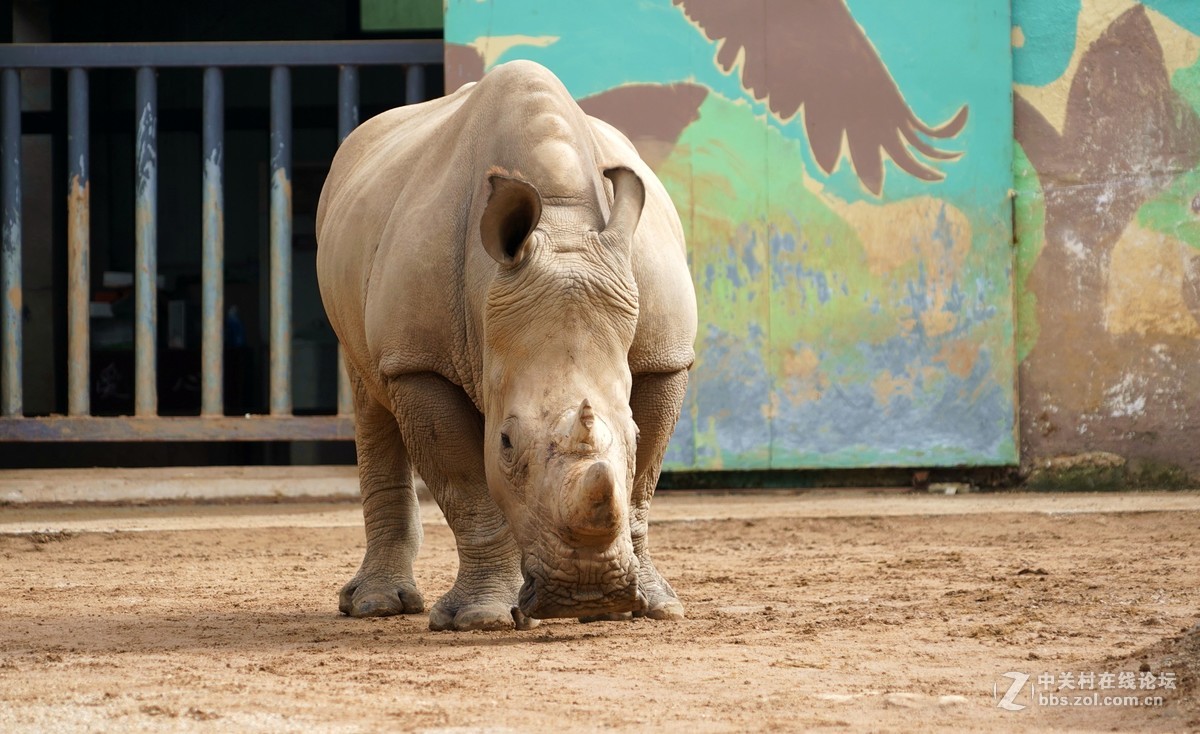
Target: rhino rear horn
<point>581,431</point>
<point>629,196</point>
<point>513,210</point>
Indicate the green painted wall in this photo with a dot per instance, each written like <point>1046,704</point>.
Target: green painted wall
<point>400,15</point>
<point>842,170</point>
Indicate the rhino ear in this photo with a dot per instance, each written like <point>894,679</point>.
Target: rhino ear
<point>513,210</point>
<point>629,196</point>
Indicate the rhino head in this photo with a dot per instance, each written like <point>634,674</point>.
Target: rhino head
<point>559,437</point>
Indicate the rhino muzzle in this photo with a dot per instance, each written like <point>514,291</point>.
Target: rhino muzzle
<point>548,596</point>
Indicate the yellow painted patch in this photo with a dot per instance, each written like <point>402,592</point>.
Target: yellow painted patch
<point>1095,16</point>
<point>887,386</point>
<point>1180,47</point>
<point>959,357</point>
<point>897,234</point>
<point>491,48</point>
<point>800,363</point>
<point>803,382</point>
<point>896,237</point>
<point>1018,37</point>
<point>1145,286</point>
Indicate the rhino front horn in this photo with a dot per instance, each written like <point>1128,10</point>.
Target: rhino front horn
<point>596,513</point>
<point>585,420</point>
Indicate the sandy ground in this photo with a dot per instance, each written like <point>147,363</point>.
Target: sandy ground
<point>853,611</point>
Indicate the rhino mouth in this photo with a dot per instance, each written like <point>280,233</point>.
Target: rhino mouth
<point>595,587</point>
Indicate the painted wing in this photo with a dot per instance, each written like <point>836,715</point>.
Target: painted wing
<point>811,55</point>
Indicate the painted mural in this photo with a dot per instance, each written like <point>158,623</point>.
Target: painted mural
<point>1107,169</point>
<point>843,171</point>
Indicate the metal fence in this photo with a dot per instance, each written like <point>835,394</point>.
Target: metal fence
<point>145,424</point>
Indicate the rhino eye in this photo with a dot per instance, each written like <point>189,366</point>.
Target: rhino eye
<point>505,442</point>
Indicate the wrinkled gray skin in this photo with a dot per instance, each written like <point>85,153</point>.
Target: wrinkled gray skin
<point>509,283</point>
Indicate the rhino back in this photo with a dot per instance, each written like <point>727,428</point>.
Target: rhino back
<point>381,169</point>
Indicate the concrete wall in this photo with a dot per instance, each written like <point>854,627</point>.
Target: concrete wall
<point>1107,170</point>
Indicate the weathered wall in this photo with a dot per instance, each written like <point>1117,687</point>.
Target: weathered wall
<point>853,277</point>
<point>1107,170</point>
<point>842,170</point>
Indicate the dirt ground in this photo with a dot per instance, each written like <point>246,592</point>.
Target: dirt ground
<point>852,611</point>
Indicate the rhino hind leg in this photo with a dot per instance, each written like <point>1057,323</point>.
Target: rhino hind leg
<point>384,584</point>
<point>656,400</point>
<point>445,434</point>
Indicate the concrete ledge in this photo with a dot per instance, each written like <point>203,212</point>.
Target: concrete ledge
<point>271,484</point>
<point>71,486</point>
<point>669,507</point>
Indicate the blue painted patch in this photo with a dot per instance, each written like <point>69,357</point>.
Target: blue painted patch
<point>1184,13</point>
<point>957,417</point>
<point>1048,27</point>
<point>730,396</point>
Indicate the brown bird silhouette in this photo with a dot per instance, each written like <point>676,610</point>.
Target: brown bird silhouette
<point>811,54</point>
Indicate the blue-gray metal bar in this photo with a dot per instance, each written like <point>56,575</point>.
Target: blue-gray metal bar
<point>414,84</point>
<point>185,428</point>
<point>281,241</point>
<point>213,267</point>
<point>251,53</point>
<point>146,58</point>
<point>10,243</point>
<point>145,277</point>
<point>347,121</point>
<point>78,245</point>
<point>347,100</point>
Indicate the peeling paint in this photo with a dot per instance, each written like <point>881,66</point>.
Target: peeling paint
<point>1128,398</point>
<point>1109,239</point>
<point>1145,293</point>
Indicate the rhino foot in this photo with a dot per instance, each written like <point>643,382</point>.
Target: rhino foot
<point>665,609</point>
<point>487,615</point>
<point>380,597</point>
<point>661,602</point>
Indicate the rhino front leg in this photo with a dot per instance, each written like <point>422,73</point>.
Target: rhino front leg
<point>444,432</point>
<point>655,400</point>
<point>384,583</point>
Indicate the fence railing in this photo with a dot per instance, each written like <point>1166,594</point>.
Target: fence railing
<point>146,424</point>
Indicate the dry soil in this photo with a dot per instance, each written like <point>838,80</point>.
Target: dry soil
<point>850,611</point>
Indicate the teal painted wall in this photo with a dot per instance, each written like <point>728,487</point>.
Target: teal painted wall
<point>842,170</point>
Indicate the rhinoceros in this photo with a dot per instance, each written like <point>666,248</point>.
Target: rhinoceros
<point>509,283</point>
